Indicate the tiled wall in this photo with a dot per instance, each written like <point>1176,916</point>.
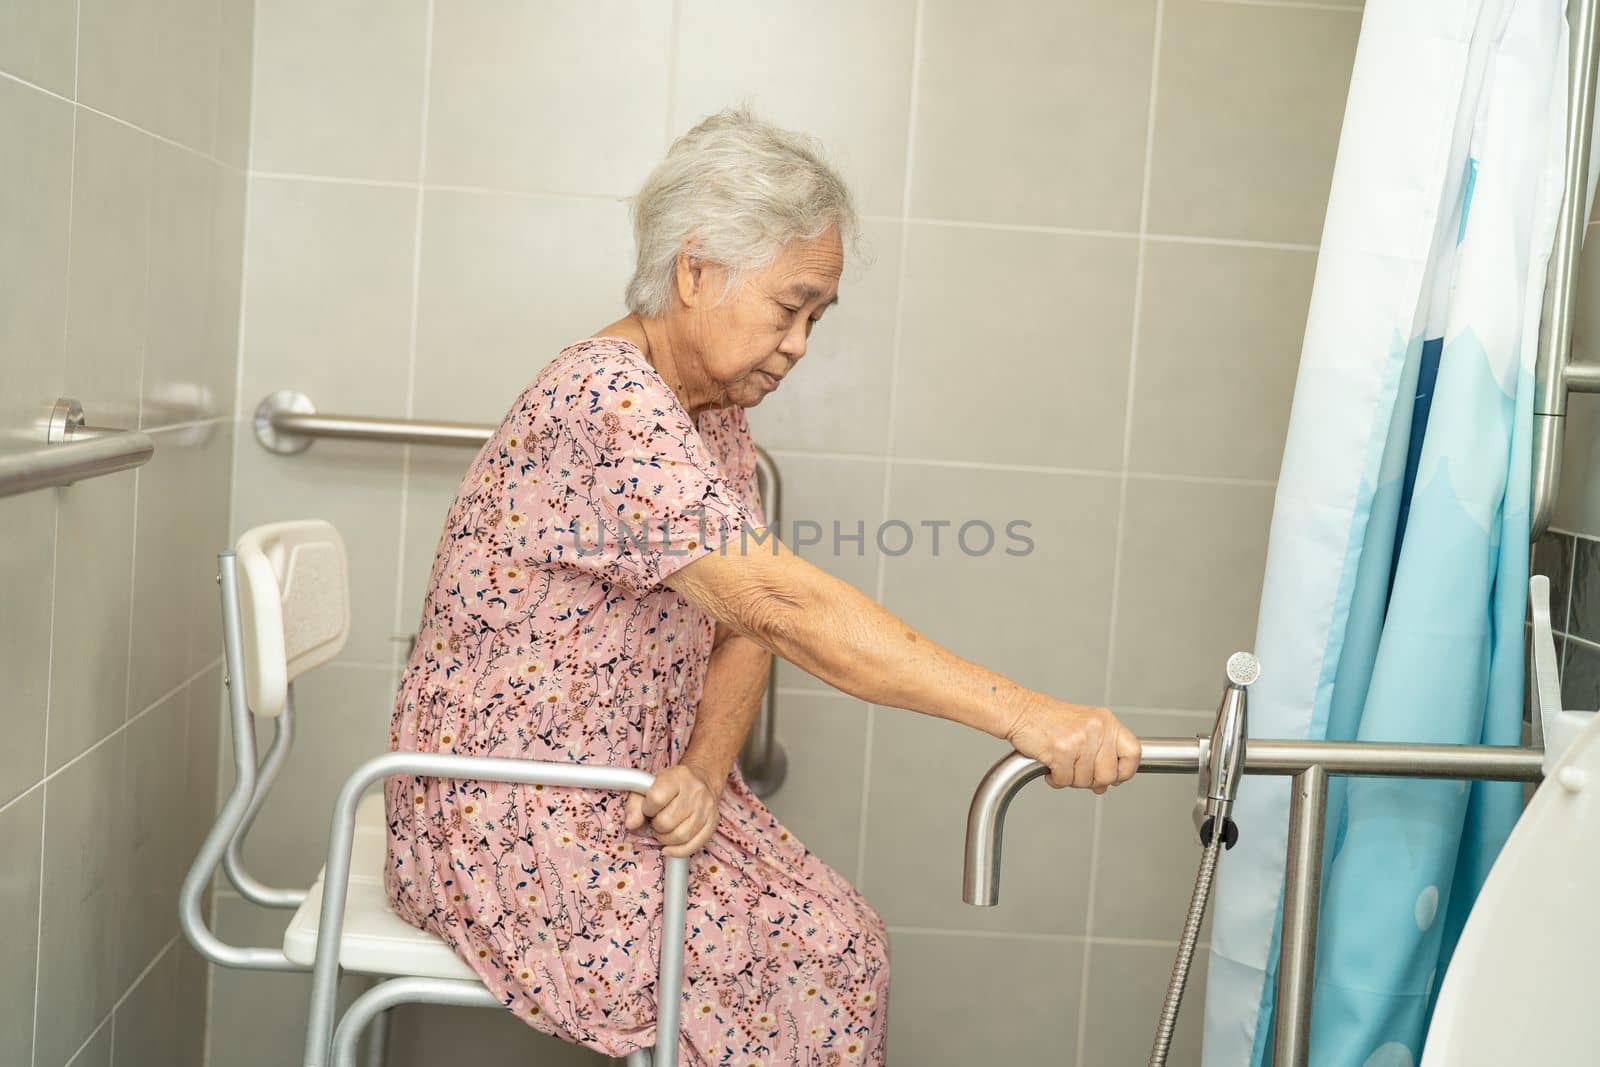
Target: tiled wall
<point>1093,228</point>
<point>1572,563</point>
<point>122,151</point>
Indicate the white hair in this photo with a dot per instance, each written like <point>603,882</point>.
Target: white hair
<point>740,189</point>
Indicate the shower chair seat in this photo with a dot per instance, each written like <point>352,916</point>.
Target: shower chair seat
<point>375,940</point>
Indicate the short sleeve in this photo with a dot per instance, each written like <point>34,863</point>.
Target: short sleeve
<point>726,432</point>
<point>638,491</point>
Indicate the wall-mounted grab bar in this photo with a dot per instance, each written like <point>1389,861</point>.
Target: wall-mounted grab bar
<point>1309,762</point>
<point>73,452</point>
<point>287,422</point>
<point>1555,375</point>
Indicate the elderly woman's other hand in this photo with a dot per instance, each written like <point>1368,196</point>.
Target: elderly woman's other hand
<point>681,806</point>
<point>1084,747</point>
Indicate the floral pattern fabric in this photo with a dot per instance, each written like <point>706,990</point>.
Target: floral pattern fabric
<point>547,634</point>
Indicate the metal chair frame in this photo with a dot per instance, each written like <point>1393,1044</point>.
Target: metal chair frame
<point>326,1042</point>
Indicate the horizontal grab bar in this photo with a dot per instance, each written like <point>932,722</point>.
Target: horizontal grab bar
<point>72,453</point>
<point>1184,755</point>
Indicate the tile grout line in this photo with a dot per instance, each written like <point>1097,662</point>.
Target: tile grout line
<point>1023,468</point>
<point>55,559</point>
<point>1032,935</point>
<point>1122,510</point>
<point>48,778</point>
<point>881,578</point>
<point>36,87</point>
<point>395,661</point>
<point>900,220</point>
<point>111,1015</point>
<point>245,229</point>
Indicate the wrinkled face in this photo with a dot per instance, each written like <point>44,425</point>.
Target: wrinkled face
<point>748,341</point>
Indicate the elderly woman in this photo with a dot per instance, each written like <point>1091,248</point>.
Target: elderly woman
<point>605,592</point>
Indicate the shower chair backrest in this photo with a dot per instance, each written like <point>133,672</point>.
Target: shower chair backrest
<point>294,606</point>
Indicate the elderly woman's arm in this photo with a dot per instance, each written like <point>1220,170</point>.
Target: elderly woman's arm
<point>681,805</point>
<point>833,631</point>
<point>735,681</point>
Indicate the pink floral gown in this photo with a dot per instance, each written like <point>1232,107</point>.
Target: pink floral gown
<point>547,635</point>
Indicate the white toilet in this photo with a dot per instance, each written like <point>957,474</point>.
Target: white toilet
<point>1523,987</point>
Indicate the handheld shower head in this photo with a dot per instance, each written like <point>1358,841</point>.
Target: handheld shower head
<point>1219,784</point>
<point>1243,669</point>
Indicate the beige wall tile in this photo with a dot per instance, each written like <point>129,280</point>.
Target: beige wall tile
<point>1014,348</point>
<point>35,199</point>
<point>204,740</point>
<point>38,43</point>
<point>356,486</point>
<point>219,372</point>
<point>212,488</point>
<point>178,354</point>
<point>427,1035</point>
<point>1192,560</point>
<point>169,555</point>
<point>150,817</point>
<point>108,290</point>
<point>835,399</point>
<point>507,282</point>
<point>825,491</point>
<point>1248,110</point>
<point>89,647</point>
<point>841,73</point>
<point>431,482</point>
<point>1149,850</point>
<point>27,573</point>
<point>548,96</point>
<point>824,737</point>
<point>21,831</point>
<point>921,775</point>
<point>1219,346</point>
<point>1034,111</point>
<point>328,276</point>
<point>153,63</point>
<point>96,1052</point>
<point>341,719</point>
<point>157,1024</point>
<point>236,31</point>
<point>1039,617</point>
<point>943,1010</point>
<point>338,87</point>
<point>259,1019</point>
<point>1127,984</point>
<point>85,862</point>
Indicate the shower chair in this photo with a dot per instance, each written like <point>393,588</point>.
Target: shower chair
<point>286,610</point>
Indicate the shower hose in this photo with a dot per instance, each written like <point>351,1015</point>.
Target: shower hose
<point>1180,966</point>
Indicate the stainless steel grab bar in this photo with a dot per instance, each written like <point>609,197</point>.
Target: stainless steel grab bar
<point>1555,375</point>
<point>1309,763</point>
<point>287,422</point>
<point>72,453</point>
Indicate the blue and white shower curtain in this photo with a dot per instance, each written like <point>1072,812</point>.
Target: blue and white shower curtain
<point>1397,571</point>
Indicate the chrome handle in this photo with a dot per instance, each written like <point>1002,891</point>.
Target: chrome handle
<point>72,453</point>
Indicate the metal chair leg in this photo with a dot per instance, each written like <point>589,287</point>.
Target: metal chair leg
<point>378,1039</point>
<point>385,995</point>
<point>640,1058</point>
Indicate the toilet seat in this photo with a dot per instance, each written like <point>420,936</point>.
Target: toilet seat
<point>1524,983</point>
